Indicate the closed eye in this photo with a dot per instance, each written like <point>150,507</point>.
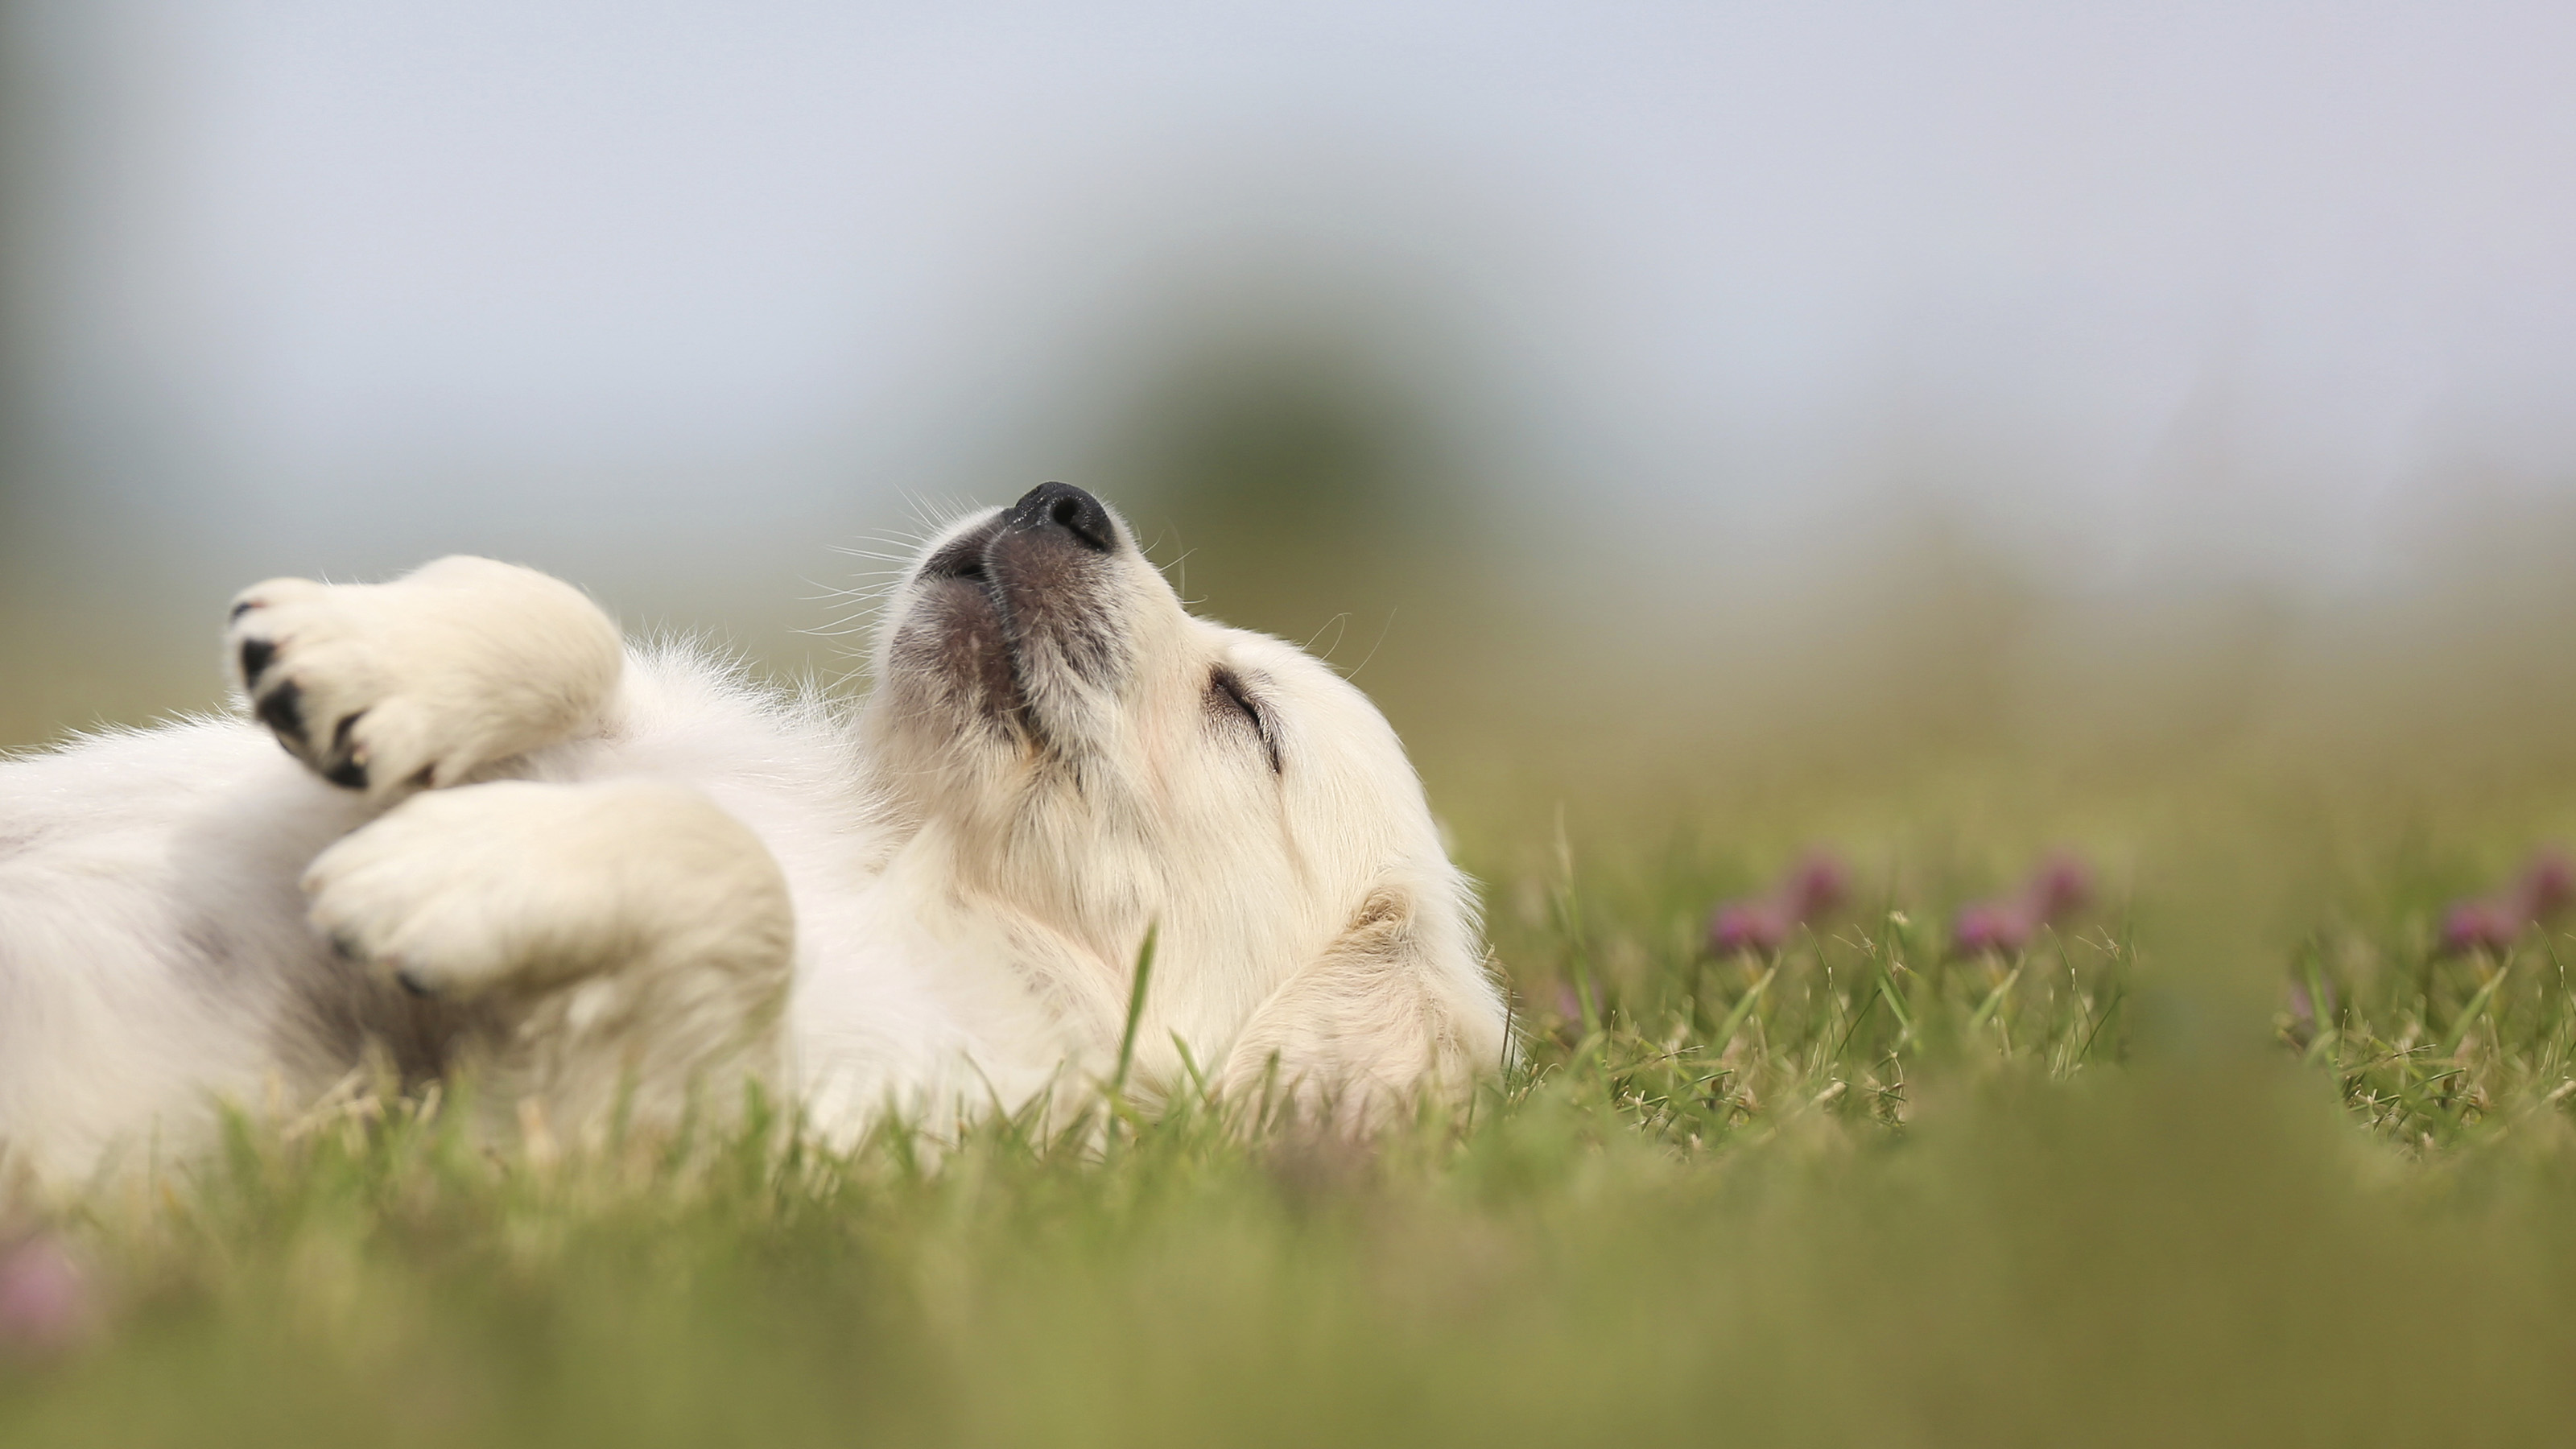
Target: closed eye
<point>1230,700</point>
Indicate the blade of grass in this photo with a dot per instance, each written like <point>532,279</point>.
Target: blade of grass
<point>1994,998</point>
<point>1569,918</point>
<point>2468,1017</point>
<point>1743,1008</point>
<point>1135,1009</point>
<point>1896,1005</point>
<point>2098,1022</point>
<point>1868,1004</point>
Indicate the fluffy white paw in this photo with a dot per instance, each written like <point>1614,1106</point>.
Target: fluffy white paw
<point>527,886</point>
<point>389,688</point>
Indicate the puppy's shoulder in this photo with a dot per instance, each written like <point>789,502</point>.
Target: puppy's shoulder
<point>784,758</point>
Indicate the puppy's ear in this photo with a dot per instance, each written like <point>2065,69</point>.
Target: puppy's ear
<point>1398,1004</point>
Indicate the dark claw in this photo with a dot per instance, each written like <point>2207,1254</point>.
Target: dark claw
<point>255,657</point>
<point>282,709</point>
<point>347,773</point>
<point>244,607</point>
<point>412,984</point>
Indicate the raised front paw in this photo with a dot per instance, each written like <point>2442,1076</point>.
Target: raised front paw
<point>436,895</point>
<point>389,688</point>
<point>517,885</point>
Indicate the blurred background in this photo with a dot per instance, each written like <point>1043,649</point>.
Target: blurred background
<point>1649,405</point>
<point>1936,432</point>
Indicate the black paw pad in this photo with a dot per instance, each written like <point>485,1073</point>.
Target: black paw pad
<point>348,775</point>
<point>255,657</point>
<point>282,709</point>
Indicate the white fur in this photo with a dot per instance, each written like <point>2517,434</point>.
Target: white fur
<point>620,880</point>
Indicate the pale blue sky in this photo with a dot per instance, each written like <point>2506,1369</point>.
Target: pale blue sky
<point>2230,285</point>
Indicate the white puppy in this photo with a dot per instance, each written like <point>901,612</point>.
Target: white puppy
<point>619,882</point>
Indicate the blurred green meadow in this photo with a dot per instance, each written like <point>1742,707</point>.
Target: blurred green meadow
<point>2123,443</point>
<point>2235,1153</point>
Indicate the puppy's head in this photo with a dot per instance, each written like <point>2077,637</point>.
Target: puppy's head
<point>1084,758</point>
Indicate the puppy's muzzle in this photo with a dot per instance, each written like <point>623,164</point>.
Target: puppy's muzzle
<point>1060,509</point>
<point>1018,610</point>
<point>1049,516</point>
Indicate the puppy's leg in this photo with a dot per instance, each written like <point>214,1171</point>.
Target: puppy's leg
<point>390,688</point>
<point>631,943</point>
<point>1378,1020</point>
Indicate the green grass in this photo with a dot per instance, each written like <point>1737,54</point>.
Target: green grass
<point>2433,1050</point>
<point>2115,1190</point>
<point>2124,1189</point>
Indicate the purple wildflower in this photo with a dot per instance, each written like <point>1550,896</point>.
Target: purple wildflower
<point>1569,1006</point>
<point>2494,922</point>
<point>2061,886</point>
<point>44,1298</point>
<point>1748,926</point>
<point>1994,926</point>
<point>2548,884</point>
<point>1816,888</point>
<point>2309,1011</point>
<point>1813,888</point>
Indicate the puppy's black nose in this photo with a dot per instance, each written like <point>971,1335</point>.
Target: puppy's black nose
<point>1063,507</point>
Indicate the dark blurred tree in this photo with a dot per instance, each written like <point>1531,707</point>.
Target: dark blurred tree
<point>1296,477</point>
